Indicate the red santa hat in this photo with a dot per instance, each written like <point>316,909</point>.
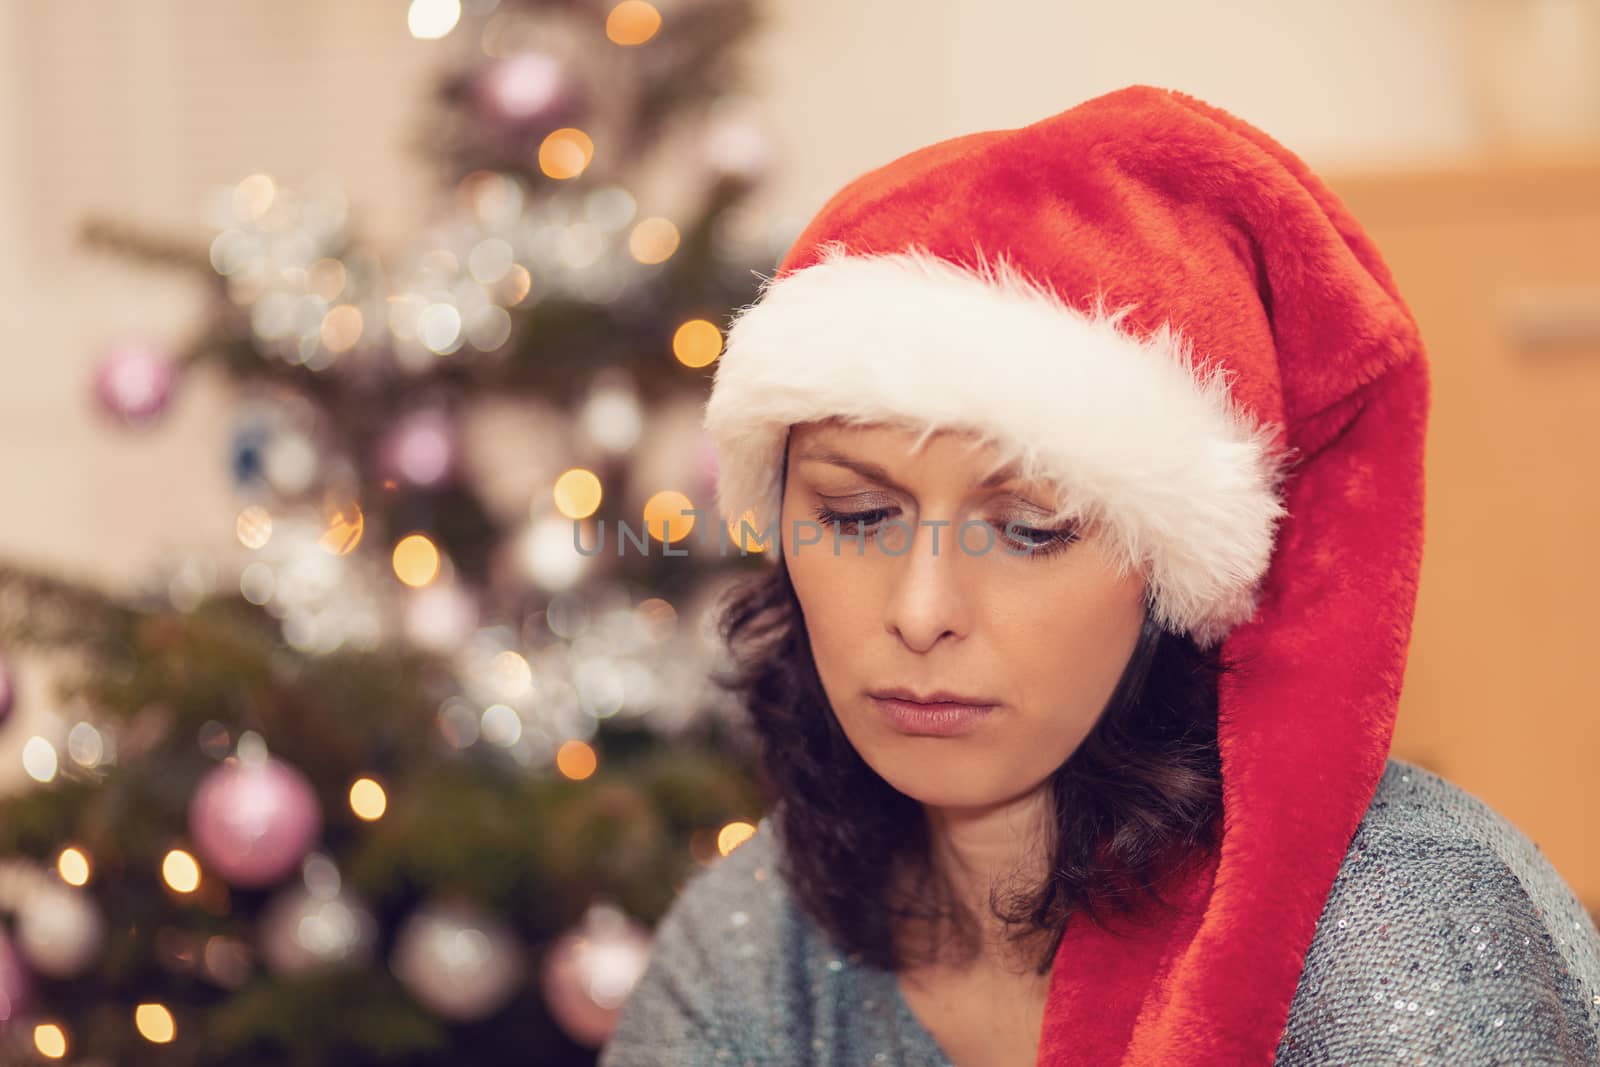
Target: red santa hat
<point>1159,308</point>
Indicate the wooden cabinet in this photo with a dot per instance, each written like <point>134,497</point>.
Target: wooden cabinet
<point>1501,265</point>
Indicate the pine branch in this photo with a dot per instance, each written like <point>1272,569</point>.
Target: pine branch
<point>47,611</point>
<point>130,241</point>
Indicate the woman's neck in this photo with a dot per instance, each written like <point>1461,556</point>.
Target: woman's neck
<point>1003,846</point>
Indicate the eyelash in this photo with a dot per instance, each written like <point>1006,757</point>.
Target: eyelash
<point>1060,539</point>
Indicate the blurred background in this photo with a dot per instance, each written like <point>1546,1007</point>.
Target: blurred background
<point>320,739</point>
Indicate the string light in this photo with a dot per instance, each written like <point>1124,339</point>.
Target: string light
<point>254,195</point>
<point>39,759</point>
<point>745,533</point>
<point>429,20</point>
<point>254,526</point>
<point>565,153</point>
<point>416,560</point>
<point>341,327</point>
<point>181,871</point>
<point>50,1040</point>
<point>346,523</point>
<point>653,240</point>
<point>577,493</point>
<point>367,799</point>
<point>697,342</point>
<point>666,516</point>
<point>733,835</point>
<point>155,1023</point>
<point>576,759</point>
<point>632,22</point>
<point>73,866</point>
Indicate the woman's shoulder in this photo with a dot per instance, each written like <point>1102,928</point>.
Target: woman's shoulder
<point>738,973</point>
<point>707,989</point>
<point>1446,933</point>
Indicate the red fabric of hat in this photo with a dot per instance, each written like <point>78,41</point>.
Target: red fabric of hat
<point>1161,309</point>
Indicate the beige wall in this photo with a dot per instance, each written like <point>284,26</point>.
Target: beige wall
<point>137,107</point>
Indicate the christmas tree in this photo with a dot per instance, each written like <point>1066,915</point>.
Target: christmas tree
<point>405,775</point>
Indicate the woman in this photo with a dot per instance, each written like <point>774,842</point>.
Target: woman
<point>1091,452</point>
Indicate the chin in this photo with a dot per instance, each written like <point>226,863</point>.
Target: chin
<point>941,772</point>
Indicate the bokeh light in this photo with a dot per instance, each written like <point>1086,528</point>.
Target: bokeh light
<point>155,1023</point>
<point>416,560</point>
<point>665,516</point>
<point>577,493</point>
<point>733,835</point>
<point>73,866</point>
<point>632,22</point>
<point>367,799</point>
<point>254,526</point>
<point>50,1040</point>
<point>565,153</point>
<point>429,20</point>
<point>576,759</point>
<point>343,532</point>
<point>653,240</point>
<point>341,327</point>
<point>745,534</point>
<point>697,342</point>
<point>39,759</point>
<point>180,871</point>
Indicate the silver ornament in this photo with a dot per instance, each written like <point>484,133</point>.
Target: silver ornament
<point>458,960</point>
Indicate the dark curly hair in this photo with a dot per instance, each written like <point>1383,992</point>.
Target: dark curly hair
<point>1139,799</point>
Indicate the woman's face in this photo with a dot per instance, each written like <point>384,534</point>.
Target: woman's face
<point>1038,637</point>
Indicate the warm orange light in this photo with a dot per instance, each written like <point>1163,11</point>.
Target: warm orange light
<point>345,526</point>
<point>653,240</point>
<point>367,799</point>
<point>576,759</point>
<point>577,493</point>
<point>155,1023</point>
<point>697,342</point>
<point>666,516</point>
<point>180,871</point>
<point>744,532</point>
<point>50,1040</point>
<point>416,561</point>
<point>565,153</point>
<point>73,866</point>
<point>632,22</point>
<point>254,526</point>
<point>733,835</point>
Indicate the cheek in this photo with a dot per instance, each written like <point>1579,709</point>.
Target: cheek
<point>1065,641</point>
<point>836,608</point>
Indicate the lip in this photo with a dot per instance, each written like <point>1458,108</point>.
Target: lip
<point>942,696</point>
<point>935,718</point>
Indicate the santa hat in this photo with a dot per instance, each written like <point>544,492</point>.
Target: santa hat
<point>1155,305</point>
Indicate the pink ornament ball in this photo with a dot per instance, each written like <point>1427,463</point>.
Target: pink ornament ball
<point>254,820</point>
<point>134,383</point>
<point>421,449</point>
<point>528,88</point>
<point>589,972</point>
<point>16,987</point>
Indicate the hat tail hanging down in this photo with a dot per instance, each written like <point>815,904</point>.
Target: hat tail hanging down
<point>1247,419</point>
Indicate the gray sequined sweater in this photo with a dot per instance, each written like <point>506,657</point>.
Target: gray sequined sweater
<point>1447,938</point>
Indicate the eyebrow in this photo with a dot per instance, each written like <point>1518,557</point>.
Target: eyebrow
<point>823,454</point>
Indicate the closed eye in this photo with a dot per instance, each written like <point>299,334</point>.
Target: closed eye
<point>1028,540</point>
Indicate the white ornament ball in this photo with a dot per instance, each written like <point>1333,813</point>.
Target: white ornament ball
<point>59,930</point>
<point>302,931</point>
<point>458,960</point>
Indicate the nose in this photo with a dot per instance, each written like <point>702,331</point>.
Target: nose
<point>926,599</point>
